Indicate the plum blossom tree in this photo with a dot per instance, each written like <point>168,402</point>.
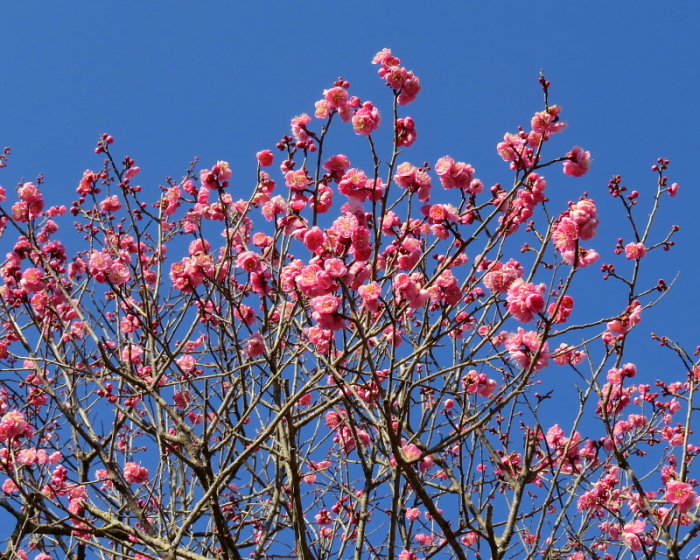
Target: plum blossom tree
<point>351,362</point>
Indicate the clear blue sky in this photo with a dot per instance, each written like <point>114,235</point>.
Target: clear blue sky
<point>221,79</point>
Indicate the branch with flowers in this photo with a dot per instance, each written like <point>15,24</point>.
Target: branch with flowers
<point>353,363</point>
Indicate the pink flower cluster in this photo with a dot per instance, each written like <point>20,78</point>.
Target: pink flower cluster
<point>403,81</point>
<point>528,350</point>
<point>521,149</point>
<point>457,175</point>
<point>525,300</point>
<point>406,133</point>
<point>135,473</point>
<point>415,179</point>
<point>358,187</point>
<point>191,271</point>
<point>565,452</point>
<point>622,325</point>
<point>30,204</point>
<point>521,208</point>
<point>366,119</point>
<point>347,436</point>
<point>500,276</point>
<point>337,99</point>
<point>409,289</point>
<point>476,383</point>
<point>579,223</point>
<point>326,312</point>
<point>104,268</point>
<point>578,162</point>
<point>13,425</point>
<point>562,309</point>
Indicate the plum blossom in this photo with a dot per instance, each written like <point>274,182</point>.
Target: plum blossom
<point>13,425</point>
<point>455,174</point>
<point>265,158</point>
<point>135,473</point>
<point>681,494</point>
<point>635,251</point>
<point>500,276</point>
<point>299,127</point>
<point>366,119</point>
<point>527,349</point>
<point>525,300</point>
<point>578,162</point>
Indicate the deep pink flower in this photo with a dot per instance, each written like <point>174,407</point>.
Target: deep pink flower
<point>525,300</point>
<point>524,346</point>
<point>111,204</point>
<point>265,158</point>
<point>135,473</point>
<point>578,162</point>
<point>250,262</point>
<point>406,133</point>
<point>635,251</point>
<point>680,494</point>
<point>386,59</point>
<point>336,97</point>
<point>299,127</point>
<point>366,119</point>
<point>12,425</point>
<point>255,346</point>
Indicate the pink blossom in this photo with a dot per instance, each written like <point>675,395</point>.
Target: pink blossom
<point>680,494</point>
<point>337,97</point>
<point>250,262</point>
<point>410,89</point>
<point>527,349</point>
<point>547,122</point>
<point>111,204</point>
<point>525,300</point>
<point>297,180</point>
<point>386,59</point>
<point>411,452</point>
<point>413,514</point>
<point>255,346</point>
<point>187,362</point>
<point>578,162</point>
<point>631,532</point>
<point>135,473</point>
<point>336,166</point>
<point>567,354</point>
<point>635,251</point>
<point>406,133</point>
<point>563,309</point>
<point>265,158</point>
<point>9,486</point>
<point>500,276</point>
<point>454,174</point>
<point>479,383</point>
<point>299,127</point>
<point>366,119</point>
<point>13,425</point>
<point>325,304</point>
<point>118,274</point>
